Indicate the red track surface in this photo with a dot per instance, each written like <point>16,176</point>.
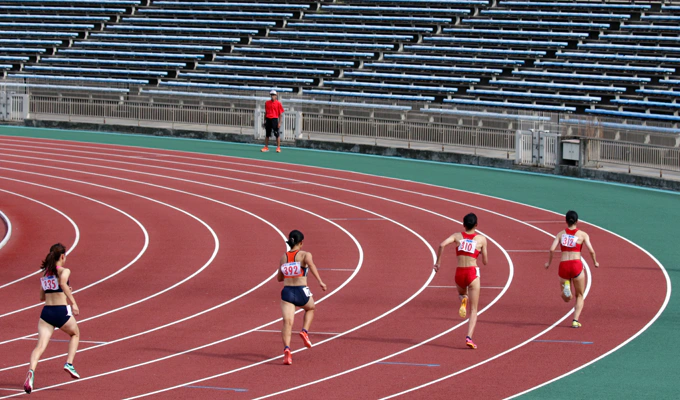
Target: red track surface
<point>396,265</point>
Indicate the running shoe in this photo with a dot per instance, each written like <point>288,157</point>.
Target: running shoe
<point>566,289</point>
<point>463,308</point>
<point>575,324</point>
<point>287,357</point>
<point>278,149</point>
<point>28,384</point>
<point>69,368</point>
<point>305,339</point>
<point>469,343</point>
<point>265,149</point>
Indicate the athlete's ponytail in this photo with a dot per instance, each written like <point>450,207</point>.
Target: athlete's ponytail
<point>571,217</point>
<point>295,237</point>
<point>49,265</point>
<point>470,221</point>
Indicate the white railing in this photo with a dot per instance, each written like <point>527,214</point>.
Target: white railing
<point>598,151</point>
<point>13,106</point>
<point>537,148</point>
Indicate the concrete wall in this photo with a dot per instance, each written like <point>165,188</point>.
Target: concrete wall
<point>456,158</point>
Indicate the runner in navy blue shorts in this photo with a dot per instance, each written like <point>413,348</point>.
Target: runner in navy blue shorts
<point>293,269</point>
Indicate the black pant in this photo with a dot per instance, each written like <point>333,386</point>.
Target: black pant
<point>271,125</point>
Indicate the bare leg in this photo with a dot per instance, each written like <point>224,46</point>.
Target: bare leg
<point>474,302</point>
<point>45,331</point>
<point>309,314</point>
<point>288,311</point>
<point>565,298</point>
<point>266,141</point>
<point>579,288</point>
<point>278,141</point>
<point>71,329</point>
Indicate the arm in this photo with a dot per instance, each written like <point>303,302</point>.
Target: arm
<point>280,114</point>
<point>63,283</point>
<point>552,250</point>
<point>310,264</point>
<point>485,257</point>
<point>440,252</point>
<point>591,250</point>
<point>42,295</point>
<point>279,275</point>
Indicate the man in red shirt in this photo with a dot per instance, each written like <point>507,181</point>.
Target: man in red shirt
<point>272,122</point>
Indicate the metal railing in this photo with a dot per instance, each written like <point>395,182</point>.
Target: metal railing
<point>660,158</point>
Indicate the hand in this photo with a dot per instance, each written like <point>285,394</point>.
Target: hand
<point>323,286</point>
<point>436,268</point>
<point>70,288</point>
<point>75,309</point>
<point>279,125</point>
<point>547,265</point>
<point>597,265</point>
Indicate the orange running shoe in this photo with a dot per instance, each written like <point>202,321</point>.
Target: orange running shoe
<point>278,149</point>
<point>287,356</point>
<point>265,149</point>
<point>469,343</point>
<point>463,308</point>
<point>305,339</point>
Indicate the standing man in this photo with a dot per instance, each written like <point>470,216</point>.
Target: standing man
<point>272,120</point>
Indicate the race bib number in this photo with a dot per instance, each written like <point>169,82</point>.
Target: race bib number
<point>291,270</point>
<point>49,283</point>
<point>308,293</point>
<point>569,240</point>
<point>467,246</point>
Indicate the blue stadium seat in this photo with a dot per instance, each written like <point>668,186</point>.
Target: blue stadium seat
<point>406,10</point>
<point>669,81</point>
<point>563,97</point>
<point>80,78</point>
<point>563,5</point>
<point>165,37</point>
<point>13,58</point>
<point>346,17</point>
<point>114,61</point>
<point>640,38</point>
<point>469,60</point>
<point>258,69</point>
<point>648,27</point>
<point>342,35</point>
<point>645,103</point>
<point>99,2</point>
<point>94,70</point>
<point>194,47</point>
<point>182,29</point>
<point>213,13</point>
<point>368,95</point>
<point>21,50</point>
<point>477,50</point>
<point>632,79</point>
<point>285,61</point>
<point>505,32</point>
<point>605,67</point>
<point>540,107</point>
<point>5,66</point>
<point>322,53</point>
<point>68,87</point>
<point>434,68</point>
<point>247,78</point>
<point>391,86</point>
<point>623,57</point>
<point>671,93</point>
<point>627,47</point>
<point>621,125</point>
<point>221,86</point>
<point>280,42</point>
<point>558,86</point>
<point>346,27</point>
<point>37,42</point>
<point>230,4</point>
<point>628,114</point>
<point>34,33</point>
<point>49,16</point>
<point>40,25</point>
<point>57,9</point>
<point>380,75</point>
<point>506,42</point>
<point>115,53</point>
<point>655,18</point>
<point>547,24</point>
<point>552,14</point>
<point>438,2</point>
<point>200,21</point>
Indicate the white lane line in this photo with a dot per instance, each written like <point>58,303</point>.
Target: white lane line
<point>8,234</point>
<point>663,269</point>
<point>350,278</point>
<point>369,195</point>
<point>310,332</point>
<point>142,251</point>
<point>454,287</point>
<point>146,242</point>
<point>336,269</point>
<point>65,340</point>
<point>530,251</point>
<point>70,249</point>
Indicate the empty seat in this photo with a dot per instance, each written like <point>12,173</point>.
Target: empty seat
<point>151,45</point>
<point>50,16</point>
<point>484,114</point>
<point>547,24</point>
<point>628,114</point>
<point>551,14</point>
<point>267,69</point>
<point>563,5</point>
<point>558,86</point>
<point>37,42</point>
<point>34,33</point>
<point>505,32</point>
<point>247,78</point>
<point>98,2</point>
<point>40,25</point>
<point>391,86</point>
<point>115,53</point>
<point>628,47</point>
<point>646,103</point>
<point>669,81</point>
<point>347,27</point>
<point>605,67</point>
<point>323,53</point>
<point>579,77</point>
<point>80,78</point>
<point>175,21</point>
<point>380,75</point>
<point>640,38</point>
<point>21,50</point>
<point>285,61</point>
<point>497,42</point>
<point>94,70</point>
<point>212,4</point>
<point>477,50</point>
<point>13,58</point>
<point>114,61</point>
<point>623,57</point>
<point>214,13</point>
<point>447,59</point>
<point>398,10</point>
<point>563,97</point>
<point>280,42</point>
<point>369,95</point>
<point>182,29</point>
<point>435,68</point>
<point>221,86</point>
<point>541,107</point>
<point>165,37</point>
<point>346,17</point>
<point>650,27</point>
<point>670,93</point>
<point>67,87</point>
<point>373,36</point>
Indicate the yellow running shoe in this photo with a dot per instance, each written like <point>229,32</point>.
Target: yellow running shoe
<point>462,311</point>
<point>575,324</point>
<point>566,289</point>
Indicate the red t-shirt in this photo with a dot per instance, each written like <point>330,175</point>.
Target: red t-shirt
<point>273,109</point>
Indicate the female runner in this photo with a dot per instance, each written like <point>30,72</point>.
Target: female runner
<point>469,246</point>
<point>56,314</point>
<point>293,269</point>
<point>571,268</point>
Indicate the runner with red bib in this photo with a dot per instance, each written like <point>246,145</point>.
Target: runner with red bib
<point>293,269</point>
<point>571,240</point>
<point>469,246</point>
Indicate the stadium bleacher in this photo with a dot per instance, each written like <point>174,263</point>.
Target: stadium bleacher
<point>615,58</point>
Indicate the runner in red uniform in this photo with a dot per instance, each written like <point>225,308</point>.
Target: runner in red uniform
<point>570,241</point>
<point>469,246</point>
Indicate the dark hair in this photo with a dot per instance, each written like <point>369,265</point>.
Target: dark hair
<point>295,237</point>
<point>49,265</point>
<point>470,221</point>
<point>571,217</point>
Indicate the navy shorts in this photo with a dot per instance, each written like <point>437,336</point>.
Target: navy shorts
<point>296,295</point>
<point>56,316</point>
<point>271,125</point>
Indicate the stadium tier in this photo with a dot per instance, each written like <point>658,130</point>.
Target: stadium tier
<point>615,58</point>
